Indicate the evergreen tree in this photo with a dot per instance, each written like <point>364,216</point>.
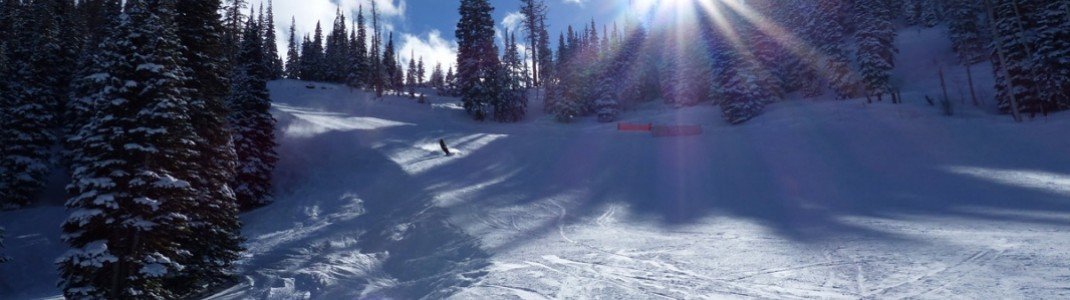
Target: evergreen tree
<point>1052,60</point>
<point>534,25</point>
<point>931,12</point>
<point>390,67</point>
<point>305,67</point>
<point>410,77</point>
<point>450,83</point>
<point>131,209</point>
<point>232,23</point>
<point>315,65</point>
<point>38,78</point>
<point>337,50</point>
<point>377,76</point>
<point>830,32</point>
<point>965,31</point>
<point>359,76</point>
<point>252,124</point>
<point>271,51</point>
<point>876,47</point>
<point>744,96</point>
<point>543,55</point>
<point>421,73</point>
<point>293,57</point>
<point>511,106</point>
<point>1013,21</point>
<point>216,240</point>
<point>438,79</point>
<point>478,67</point>
<point>912,12</point>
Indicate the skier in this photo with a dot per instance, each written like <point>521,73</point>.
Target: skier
<point>445,149</point>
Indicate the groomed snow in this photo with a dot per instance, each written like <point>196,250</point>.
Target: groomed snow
<point>812,199</point>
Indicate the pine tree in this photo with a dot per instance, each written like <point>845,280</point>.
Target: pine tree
<point>421,73</point>
<point>377,76</point>
<point>449,84</point>
<point>478,67</point>
<point>252,124</point>
<point>360,67</point>
<point>438,79</point>
<point>390,66</point>
<point>744,97</point>
<point>965,31</point>
<point>38,78</point>
<point>876,47</point>
<point>314,60</point>
<point>543,55</point>
<point>830,32</point>
<point>271,51</point>
<point>912,12</point>
<point>511,106</point>
<point>534,25</point>
<point>305,67</point>
<point>1013,23</point>
<point>216,242</point>
<point>130,212</point>
<point>293,57</point>
<point>931,12</point>
<point>1052,60</point>
<point>337,50</point>
<point>232,23</point>
<point>410,77</point>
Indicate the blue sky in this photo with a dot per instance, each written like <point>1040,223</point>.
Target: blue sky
<point>426,27</point>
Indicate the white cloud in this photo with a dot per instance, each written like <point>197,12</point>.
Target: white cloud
<point>512,21</point>
<point>432,47</point>
<point>577,2</point>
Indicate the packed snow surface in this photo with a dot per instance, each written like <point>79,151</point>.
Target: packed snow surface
<point>812,199</point>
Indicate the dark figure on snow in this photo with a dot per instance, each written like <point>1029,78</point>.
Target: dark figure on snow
<point>445,149</point>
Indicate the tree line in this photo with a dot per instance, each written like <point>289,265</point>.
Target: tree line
<point>743,61</point>
<point>159,112</point>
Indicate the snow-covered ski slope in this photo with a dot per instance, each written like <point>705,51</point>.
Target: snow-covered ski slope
<point>813,199</point>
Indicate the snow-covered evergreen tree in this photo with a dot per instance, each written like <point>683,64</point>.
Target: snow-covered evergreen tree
<point>513,103</point>
<point>477,59</point>
<point>437,80</point>
<point>271,51</point>
<point>744,96</point>
<point>830,34</point>
<point>132,192</point>
<point>410,77</point>
<point>931,12</point>
<point>293,56</point>
<point>390,66</point>
<point>358,61</point>
<point>215,244</point>
<point>1053,53</point>
<point>312,56</point>
<point>965,29</point>
<point>876,46</point>
<point>38,77</point>
<point>421,72</point>
<point>1015,39</point>
<point>233,18</point>
<point>252,124</point>
<point>337,50</point>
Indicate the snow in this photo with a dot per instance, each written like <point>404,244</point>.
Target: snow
<point>812,199</point>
